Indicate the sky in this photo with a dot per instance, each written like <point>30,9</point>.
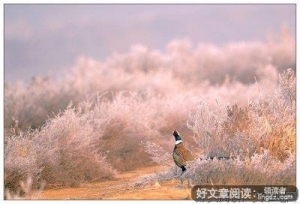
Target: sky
<point>47,39</point>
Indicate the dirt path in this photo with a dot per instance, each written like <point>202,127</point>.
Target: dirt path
<point>124,188</point>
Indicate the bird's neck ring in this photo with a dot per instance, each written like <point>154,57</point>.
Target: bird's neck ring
<point>178,142</point>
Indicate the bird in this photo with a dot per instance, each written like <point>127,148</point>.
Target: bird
<point>180,154</point>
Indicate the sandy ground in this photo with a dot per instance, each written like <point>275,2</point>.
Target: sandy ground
<point>123,188</point>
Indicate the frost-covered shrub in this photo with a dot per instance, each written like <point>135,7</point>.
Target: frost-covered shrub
<point>20,161</point>
<point>181,68</point>
<point>63,152</point>
<point>67,150</point>
<point>265,123</point>
<point>132,102</point>
<point>258,139</point>
<point>260,169</point>
<point>32,104</point>
<point>130,118</point>
<point>158,154</point>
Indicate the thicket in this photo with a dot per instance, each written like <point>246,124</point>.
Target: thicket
<point>119,115</point>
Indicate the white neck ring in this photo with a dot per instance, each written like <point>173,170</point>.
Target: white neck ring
<point>178,141</point>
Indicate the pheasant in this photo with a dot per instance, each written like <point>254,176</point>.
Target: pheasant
<point>180,154</point>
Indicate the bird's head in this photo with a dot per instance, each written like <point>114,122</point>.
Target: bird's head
<point>177,137</point>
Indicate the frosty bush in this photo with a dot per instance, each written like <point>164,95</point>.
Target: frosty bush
<point>20,161</point>
<point>258,138</point>
<point>267,122</point>
<point>67,149</point>
<point>158,154</point>
<point>180,68</point>
<point>260,169</point>
<point>140,97</point>
<point>63,152</point>
<point>32,104</point>
<point>131,118</point>
<point>26,191</point>
<point>87,142</point>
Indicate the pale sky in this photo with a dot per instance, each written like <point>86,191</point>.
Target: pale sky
<point>44,39</point>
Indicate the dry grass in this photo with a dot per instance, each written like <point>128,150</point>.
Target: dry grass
<point>25,191</point>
